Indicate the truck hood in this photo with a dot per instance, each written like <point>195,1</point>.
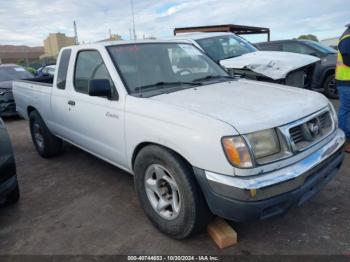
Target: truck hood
<point>248,105</point>
<point>273,64</point>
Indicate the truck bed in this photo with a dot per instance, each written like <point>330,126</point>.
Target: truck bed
<point>34,92</point>
<point>45,81</point>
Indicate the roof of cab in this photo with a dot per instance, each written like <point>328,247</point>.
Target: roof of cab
<point>122,42</point>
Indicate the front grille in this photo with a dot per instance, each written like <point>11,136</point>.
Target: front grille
<point>311,131</point>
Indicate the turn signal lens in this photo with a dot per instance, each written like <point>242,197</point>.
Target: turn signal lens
<point>237,152</point>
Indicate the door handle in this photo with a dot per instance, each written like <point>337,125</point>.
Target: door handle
<point>71,103</point>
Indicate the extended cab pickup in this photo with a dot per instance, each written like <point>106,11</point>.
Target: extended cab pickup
<point>198,141</point>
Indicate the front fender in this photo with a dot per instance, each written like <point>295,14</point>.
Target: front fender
<point>195,137</point>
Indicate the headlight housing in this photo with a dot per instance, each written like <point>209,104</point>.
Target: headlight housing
<point>264,143</point>
<point>259,147</point>
<point>237,152</point>
<point>334,114</point>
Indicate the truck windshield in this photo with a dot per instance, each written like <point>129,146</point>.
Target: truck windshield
<point>10,73</point>
<point>155,68</point>
<point>225,46</point>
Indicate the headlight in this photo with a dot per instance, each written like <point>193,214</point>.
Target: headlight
<point>237,151</point>
<point>334,114</point>
<point>264,143</point>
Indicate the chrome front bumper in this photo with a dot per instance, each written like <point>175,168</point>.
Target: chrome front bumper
<point>275,182</point>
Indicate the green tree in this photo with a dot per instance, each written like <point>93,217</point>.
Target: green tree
<point>309,37</point>
<point>21,62</point>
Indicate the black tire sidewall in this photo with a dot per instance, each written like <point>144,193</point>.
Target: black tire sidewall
<point>325,87</point>
<point>33,119</point>
<point>52,145</point>
<point>183,225</point>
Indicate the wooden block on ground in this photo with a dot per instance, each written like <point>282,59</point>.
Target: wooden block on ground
<point>222,233</point>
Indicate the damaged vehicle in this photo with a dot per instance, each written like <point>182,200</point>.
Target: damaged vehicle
<point>9,73</point>
<point>323,79</point>
<point>241,58</point>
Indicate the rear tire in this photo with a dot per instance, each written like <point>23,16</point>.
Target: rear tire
<point>330,88</point>
<point>185,210</point>
<point>44,141</point>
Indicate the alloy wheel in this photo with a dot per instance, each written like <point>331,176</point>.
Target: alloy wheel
<point>162,191</point>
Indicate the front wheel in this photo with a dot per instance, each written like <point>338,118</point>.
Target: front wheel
<point>330,87</point>
<point>168,193</point>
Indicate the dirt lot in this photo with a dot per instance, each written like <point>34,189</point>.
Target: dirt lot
<point>78,204</point>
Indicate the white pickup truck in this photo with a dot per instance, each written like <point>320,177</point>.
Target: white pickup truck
<point>198,141</point>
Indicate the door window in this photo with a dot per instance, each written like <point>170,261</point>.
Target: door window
<point>89,65</point>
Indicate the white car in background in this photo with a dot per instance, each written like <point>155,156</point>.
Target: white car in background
<point>241,58</point>
<point>45,71</point>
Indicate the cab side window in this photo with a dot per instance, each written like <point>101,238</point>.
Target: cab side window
<point>89,65</point>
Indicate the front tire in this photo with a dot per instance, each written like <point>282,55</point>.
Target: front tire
<point>330,87</point>
<point>44,141</point>
<point>168,192</point>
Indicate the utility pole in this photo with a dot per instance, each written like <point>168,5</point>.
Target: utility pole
<point>133,19</point>
<point>75,33</point>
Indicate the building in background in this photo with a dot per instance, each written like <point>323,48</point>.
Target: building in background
<point>112,37</point>
<point>53,44</point>
<point>332,42</point>
<point>11,54</point>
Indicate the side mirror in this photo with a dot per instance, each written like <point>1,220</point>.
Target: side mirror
<point>100,87</point>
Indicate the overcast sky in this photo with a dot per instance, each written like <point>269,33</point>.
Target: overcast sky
<point>30,21</point>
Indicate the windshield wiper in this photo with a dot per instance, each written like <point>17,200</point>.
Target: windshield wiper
<point>179,83</point>
<point>211,77</point>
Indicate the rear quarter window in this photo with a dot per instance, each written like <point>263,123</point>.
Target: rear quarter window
<point>63,68</point>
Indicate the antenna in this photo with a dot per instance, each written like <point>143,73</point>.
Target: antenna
<point>133,19</point>
<point>75,33</point>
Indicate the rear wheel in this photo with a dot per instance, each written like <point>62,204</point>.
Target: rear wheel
<point>330,87</point>
<point>44,141</point>
<point>168,192</point>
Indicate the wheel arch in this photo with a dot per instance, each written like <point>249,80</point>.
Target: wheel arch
<point>329,71</point>
<point>31,109</point>
<point>142,145</point>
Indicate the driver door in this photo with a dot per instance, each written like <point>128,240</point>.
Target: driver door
<point>96,123</point>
